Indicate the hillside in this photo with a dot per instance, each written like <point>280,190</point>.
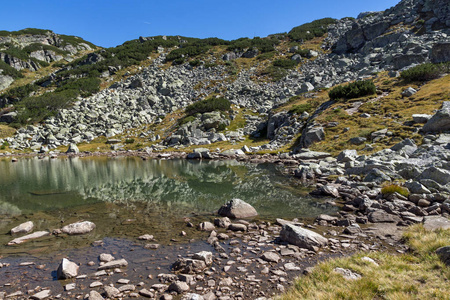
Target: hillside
<point>277,87</point>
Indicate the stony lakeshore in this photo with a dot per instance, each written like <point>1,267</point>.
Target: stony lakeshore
<point>237,256</point>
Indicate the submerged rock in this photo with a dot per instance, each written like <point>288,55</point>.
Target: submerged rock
<point>237,208</point>
<point>23,228</point>
<point>25,238</point>
<point>78,228</point>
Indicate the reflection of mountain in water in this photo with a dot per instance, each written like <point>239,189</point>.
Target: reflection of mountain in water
<point>198,186</point>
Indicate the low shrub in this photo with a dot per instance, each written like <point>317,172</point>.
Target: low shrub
<point>425,72</point>
<point>129,141</point>
<point>10,71</point>
<point>394,188</point>
<point>208,105</point>
<point>353,90</point>
<point>285,63</point>
<point>195,63</point>
<point>310,30</point>
<point>266,56</point>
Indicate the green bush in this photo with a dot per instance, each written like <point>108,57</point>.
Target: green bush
<point>276,73</point>
<point>208,105</point>
<point>10,71</point>
<point>195,63</point>
<point>310,30</point>
<point>263,45</point>
<point>129,141</point>
<point>285,63</point>
<point>302,52</point>
<point>353,90</point>
<point>425,72</point>
<point>32,31</point>
<point>266,56</point>
<point>20,92</point>
<point>84,86</point>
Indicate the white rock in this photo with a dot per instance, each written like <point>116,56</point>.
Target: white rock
<point>78,228</point>
<point>67,269</point>
<point>23,228</point>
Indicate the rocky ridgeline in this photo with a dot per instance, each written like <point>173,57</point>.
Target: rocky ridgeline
<point>39,55</point>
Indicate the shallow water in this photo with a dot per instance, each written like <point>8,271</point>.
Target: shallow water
<point>127,197</point>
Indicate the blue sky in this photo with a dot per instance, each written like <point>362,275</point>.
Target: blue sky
<point>109,23</point>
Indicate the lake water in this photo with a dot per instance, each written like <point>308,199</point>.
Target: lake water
<point>129,196</point>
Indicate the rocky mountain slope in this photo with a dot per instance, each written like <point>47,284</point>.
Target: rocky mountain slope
<point>31,49</point>
<point>137,92</point>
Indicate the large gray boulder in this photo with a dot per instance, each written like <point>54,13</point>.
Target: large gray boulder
<point>439,175</point>
<point>440,53</point>
<point>237,208</point>
<point>302,237</point>
<point>313,135</point>
<point>67,269</point>
<point>347,155</point>
<point>440,121</point>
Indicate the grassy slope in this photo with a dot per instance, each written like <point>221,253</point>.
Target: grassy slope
<point>416,275</point>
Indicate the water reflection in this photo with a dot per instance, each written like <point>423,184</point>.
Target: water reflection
<point>38,185</point>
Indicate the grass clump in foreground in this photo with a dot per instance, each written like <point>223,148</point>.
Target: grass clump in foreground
<point>416,275</point>
<point>394,188</point>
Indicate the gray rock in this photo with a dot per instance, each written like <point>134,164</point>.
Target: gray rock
<point>237,208</point>
<point>206,256</point>
<point>444,254</point>
<point>347,274</point>
<point>305,88</point>
<point>440,52</point>
<point>237,227</point>
<point>438,175</point>
<point>179,287</point>
<point>23,228</point>
<point>347,155</point>
<point>409,92</point>
<point>416,188</point>
<point>189,266</point>
<point>421,118</point>
<point>377,176</point>
<point>380,216</point>
<point>94,295</point>
<point>73,149</point>
<point>32,236</point>
<point>67,269</point>
<point>206,226</point>
<point>357,140</point>
<point>436,222</point>
<point>302,237</point>
<point>222,222</point>
<point>104,257</point>
<point>78,228</point>
<point>120,263</point>
<point>271,257</point>
<point>440,121</point>
<point>42,295</point>
<point>314,135</point>
<point>111,292</point>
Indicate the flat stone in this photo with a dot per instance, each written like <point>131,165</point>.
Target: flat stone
<point>114,264</point>
<point>23,228</point>
<point>271,257</point>
<point>41,295</point>
<point>302,237</point>
<point>104,257</point>
<point>111,292</point>
<point>127,288</point>
<point>380,216</point>
<point>34,235</point>
<point>95,284</point>
<point>436,222</point>
<point>179,287</point>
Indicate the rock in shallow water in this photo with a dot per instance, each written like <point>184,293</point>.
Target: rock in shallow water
<point>78,228</point>
<point>23,228</point>
<point>237,208</point>
<point>67,269</point>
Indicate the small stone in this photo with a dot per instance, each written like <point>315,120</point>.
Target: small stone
<point>347,274</point>
<point>206,226</point>
<point>271,257</point>
<point>179,287</point>
<point>111,292</point>
<point>41,295</point>
<point>67,269</point>
<point>114,264</point>
<point>95,284</point>
<point>106,257</point>
<point>146,237</point>
<point>94,295</point>
<point>126,288</point>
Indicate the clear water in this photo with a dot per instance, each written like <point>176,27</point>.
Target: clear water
<point>177,186</point>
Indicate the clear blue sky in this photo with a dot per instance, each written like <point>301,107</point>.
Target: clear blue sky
<point>109,23</point>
